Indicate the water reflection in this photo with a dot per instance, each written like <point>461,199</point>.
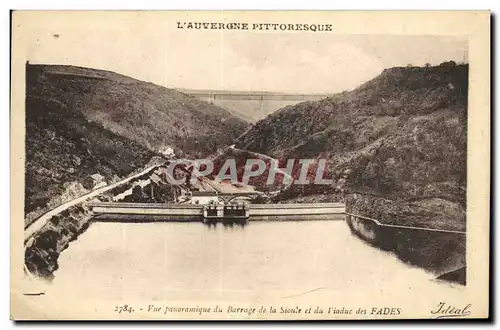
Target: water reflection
<point>184,261</point>
<point>226,224</point>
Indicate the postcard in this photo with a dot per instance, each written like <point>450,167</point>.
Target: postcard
<point>250,165</point>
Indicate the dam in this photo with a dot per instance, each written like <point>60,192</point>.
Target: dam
<point>285,252</point>
<point>150,212</point>
<point>450,256</point>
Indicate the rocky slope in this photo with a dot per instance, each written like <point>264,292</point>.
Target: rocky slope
<point>86,127</point>
<point>396,145</point>
<point>42,250</point>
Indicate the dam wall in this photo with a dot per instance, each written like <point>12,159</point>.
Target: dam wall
<point>147,212</point>
<point>297,212</point>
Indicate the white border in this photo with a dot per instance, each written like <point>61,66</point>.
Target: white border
<point>185,4</point>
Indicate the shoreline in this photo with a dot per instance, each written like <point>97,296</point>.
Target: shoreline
<point>56,229</point>
<point>438,252</point>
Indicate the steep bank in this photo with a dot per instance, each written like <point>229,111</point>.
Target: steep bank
<point>86,128</point>
<point>395,146</point>
<point>439,252</point>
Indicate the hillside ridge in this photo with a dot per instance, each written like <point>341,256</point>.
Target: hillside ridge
<point>152,115</point>
<point>395,146</point>
<point>87,127</point>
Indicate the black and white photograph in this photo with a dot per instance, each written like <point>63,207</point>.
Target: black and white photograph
<point>250,165</point>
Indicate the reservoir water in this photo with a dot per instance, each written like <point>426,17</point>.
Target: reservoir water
<point>263,260</point>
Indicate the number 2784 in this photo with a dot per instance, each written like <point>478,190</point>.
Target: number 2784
<point>123,309</point>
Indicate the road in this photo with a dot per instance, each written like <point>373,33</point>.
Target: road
<point>36,225</point>
<point>41,221</point>
<point>289,179</point>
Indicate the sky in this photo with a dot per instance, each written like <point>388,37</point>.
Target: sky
<point>227,60</point>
